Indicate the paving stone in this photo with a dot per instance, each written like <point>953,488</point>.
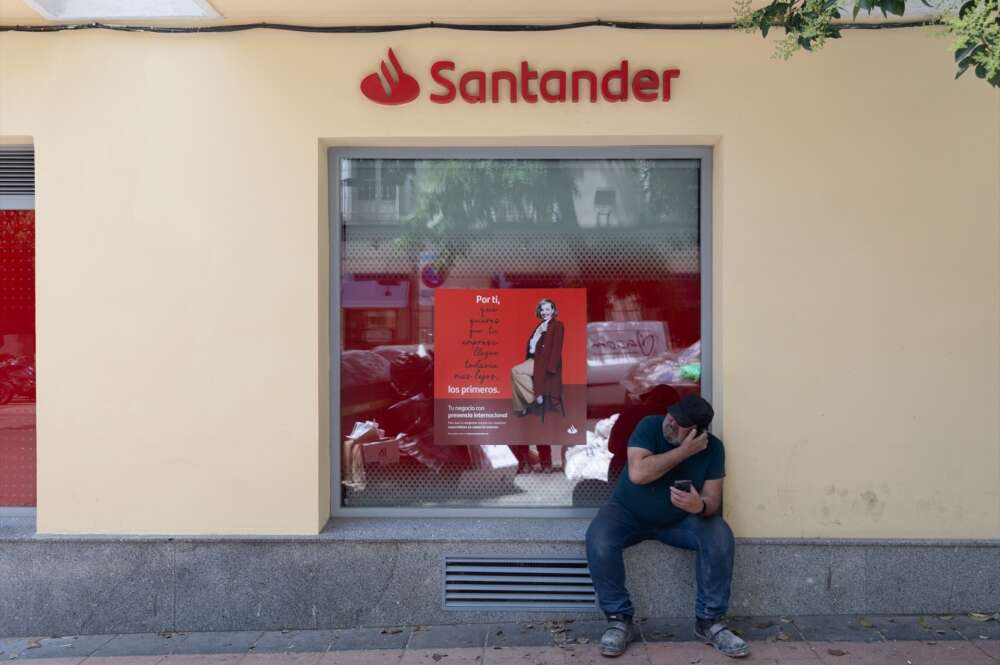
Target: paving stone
<point>123,660</point>
<point>203,659</point>
<point>590,654</point>
<point>667,630</point>
<point>216,643</point>
<point>536,655</point>
<point>300,658</point>
<point>990,648</point>
<point>837,628</point>
<point>781,651</point>
<point>295,641</point>
<point>78,647</point>
<point>943,653</point>
<point>437,637</point>
<point>527,634</point>
<point>579,632</point>
<point>858,653</point>
<point>764,629</point>
<point>681,653</point>
<point>976,630</point>
<point>915,628</point>
<point>143,644</point>
<point>356,639</point>
<point>445,656</point>
<point>376,657</point>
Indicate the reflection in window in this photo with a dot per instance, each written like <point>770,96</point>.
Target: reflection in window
<point>17,359</point>
<point>625,230</point>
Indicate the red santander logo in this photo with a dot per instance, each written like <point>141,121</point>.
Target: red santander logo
<point>525,83</point>
<point>391,86</point>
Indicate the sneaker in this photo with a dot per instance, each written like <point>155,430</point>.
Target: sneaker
<point>617,635</point>
<point>723,639</point>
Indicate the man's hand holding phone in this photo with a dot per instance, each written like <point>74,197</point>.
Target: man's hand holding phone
<point>686,497</point>
<point>695,442</point>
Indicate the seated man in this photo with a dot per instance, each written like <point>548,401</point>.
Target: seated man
<point>646,505</point>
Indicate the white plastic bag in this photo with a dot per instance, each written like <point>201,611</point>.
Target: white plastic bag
<point>588,462</point>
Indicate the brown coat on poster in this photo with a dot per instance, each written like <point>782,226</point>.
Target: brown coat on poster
<point>546,378</point>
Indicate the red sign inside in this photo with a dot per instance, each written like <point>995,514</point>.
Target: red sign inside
<point>528,84</point>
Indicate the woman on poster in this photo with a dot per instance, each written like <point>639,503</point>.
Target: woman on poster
<point>537,381</point>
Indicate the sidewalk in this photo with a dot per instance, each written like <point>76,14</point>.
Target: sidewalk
<point>821,640</point>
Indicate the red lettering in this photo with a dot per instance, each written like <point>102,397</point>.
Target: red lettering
<point>527,75</point>
<point>645,80</point>
<point>559,77</point>
<point>449,88</point>
<point>590,77</point>
<point>621,76</point>
<point>667,75</point>
<point>504,75</point>
<point>477,77</point>
<point>614,86</point>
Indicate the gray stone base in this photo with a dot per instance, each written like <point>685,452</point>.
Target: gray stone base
<point>375,572</point>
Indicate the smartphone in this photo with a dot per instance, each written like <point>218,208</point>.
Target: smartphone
<point>682,485</point>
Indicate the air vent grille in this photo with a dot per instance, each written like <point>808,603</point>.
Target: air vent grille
<point>17,170</point>
<point>517,584</point>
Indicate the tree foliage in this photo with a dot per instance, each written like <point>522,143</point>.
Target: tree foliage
<point>809,24</point>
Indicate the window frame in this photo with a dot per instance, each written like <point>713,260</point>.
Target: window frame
<point>20,202</point>
<point>702,153</point>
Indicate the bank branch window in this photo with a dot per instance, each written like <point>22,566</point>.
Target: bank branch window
<point>505,318</point>
<point>18,487</point>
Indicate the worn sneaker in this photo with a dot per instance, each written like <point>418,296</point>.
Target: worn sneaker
<point>722,638</point>
<point>617,636</point>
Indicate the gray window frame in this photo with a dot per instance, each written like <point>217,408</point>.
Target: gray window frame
<point>702,153</point>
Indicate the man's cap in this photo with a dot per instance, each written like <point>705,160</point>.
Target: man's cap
<point>692,411</point>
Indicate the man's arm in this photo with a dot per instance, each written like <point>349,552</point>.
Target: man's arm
<point>644,467</point>
<point>706,504</point>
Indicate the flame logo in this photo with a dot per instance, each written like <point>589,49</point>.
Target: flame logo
<point>390,87</point>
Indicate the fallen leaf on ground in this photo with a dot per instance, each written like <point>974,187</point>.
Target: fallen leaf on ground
<point>946,617</point>
<point>782,637</point>
<point>34,644</point>
<point>979,616</point>
<point>390,631</point>
<point>583,640</point>
<point>865,623</point>
<point>836,652</point>
<point>438,656</point>
<point>932,643</point>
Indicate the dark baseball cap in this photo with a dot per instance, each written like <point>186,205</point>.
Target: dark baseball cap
<point>692,411</point>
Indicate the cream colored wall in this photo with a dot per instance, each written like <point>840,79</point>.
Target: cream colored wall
<point>181,272</point>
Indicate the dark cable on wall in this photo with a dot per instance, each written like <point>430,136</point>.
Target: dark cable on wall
<point>402,27</point>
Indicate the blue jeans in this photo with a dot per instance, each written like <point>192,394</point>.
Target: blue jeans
<point>615,528</point>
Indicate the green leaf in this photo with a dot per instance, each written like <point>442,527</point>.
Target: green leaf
<point>964,53</point>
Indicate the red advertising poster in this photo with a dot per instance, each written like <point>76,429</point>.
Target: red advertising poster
<point>510,366</point>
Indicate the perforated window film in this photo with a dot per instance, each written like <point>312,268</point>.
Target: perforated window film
<point>627,231</point>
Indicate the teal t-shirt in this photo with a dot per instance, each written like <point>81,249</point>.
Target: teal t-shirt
<point>650,503</point>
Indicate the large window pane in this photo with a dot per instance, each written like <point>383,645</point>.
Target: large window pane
<point>17,359</point>
<point>625,230</point>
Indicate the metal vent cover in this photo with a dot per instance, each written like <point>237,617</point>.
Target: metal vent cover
<point>17,170</point>
<point>517,584</point>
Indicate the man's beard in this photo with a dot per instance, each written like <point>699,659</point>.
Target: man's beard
<point>672,435</point>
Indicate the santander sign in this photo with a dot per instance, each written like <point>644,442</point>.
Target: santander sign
<point>392,85</point>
